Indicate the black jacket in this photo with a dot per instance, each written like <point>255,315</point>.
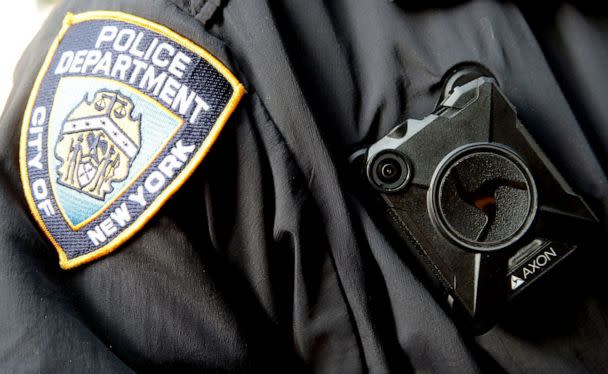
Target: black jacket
<point>268,258</point>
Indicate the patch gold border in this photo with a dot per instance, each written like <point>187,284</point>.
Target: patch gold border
<point>238,92</point>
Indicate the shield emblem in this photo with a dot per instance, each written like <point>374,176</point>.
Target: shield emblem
<point>86,172</point>
<point>98,143</point>
<point>105,135</point>
<point>121,114</point>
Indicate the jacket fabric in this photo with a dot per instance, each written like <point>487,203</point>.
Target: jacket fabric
<point>268,257</point>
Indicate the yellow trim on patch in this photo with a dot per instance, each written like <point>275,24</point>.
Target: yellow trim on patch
<point>152,209</point>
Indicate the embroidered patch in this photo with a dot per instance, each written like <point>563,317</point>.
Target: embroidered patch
<point>122,112</point>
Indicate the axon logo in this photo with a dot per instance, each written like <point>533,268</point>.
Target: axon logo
<point>539,262</point>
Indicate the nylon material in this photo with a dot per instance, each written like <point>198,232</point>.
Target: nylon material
<point>579,68</point>
<point>275,250</point>
<point>208,10</point>
<point>315,160</point>
<point>267,259</point>
<point>202,10</point>
<point>114,312</point>
<point>428,43</point>
<point>587,66</point>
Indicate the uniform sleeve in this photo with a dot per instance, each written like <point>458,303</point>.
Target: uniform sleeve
<point>267,258</point>
<point>233,273</point>
<point>41,328</point>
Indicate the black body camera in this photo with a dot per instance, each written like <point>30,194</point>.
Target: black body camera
<point>474,197</point>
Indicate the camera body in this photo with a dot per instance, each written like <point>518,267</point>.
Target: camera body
<point>474,197</point>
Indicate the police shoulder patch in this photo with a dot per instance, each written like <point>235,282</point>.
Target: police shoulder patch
<point>122,112</point>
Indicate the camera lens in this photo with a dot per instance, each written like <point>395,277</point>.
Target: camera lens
<point>389,172</point>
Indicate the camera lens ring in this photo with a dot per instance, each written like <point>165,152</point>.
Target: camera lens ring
<point>440,219</point>
<point>389,172</point>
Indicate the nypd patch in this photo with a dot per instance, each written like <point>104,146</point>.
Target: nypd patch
<point>122,112</point>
